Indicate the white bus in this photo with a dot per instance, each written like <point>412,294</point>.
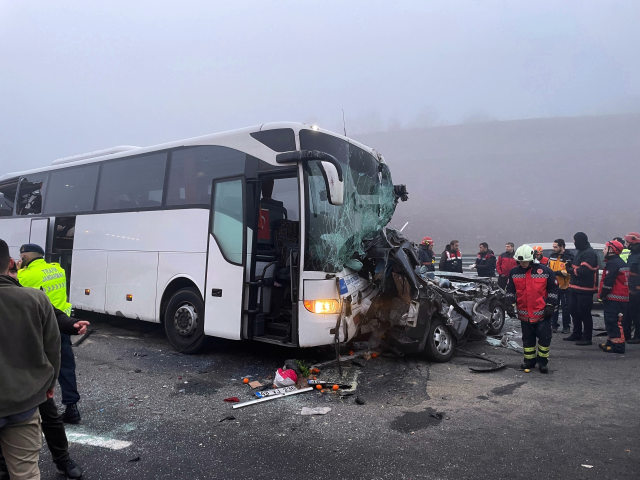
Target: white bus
<point>246,234</point>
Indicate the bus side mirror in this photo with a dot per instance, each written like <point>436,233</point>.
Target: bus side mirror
<point>329,165</point>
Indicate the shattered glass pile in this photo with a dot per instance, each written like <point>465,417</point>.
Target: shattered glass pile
<point>337,232</point>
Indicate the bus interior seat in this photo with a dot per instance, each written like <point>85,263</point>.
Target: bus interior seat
<point>270,212</point>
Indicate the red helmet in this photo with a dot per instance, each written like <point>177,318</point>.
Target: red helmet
<point>427,241</point>
<point>615,246</point>
<point>631,238</point>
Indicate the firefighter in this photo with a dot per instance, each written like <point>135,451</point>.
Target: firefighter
<point>632,318</point>
<point>534,290</point>
<point>35,272</point>
<point>426,255</point>
<point>539,256</point>
<point>583,284</point>
<point>614,294</point>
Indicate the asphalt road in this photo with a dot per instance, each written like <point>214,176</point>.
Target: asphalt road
<point>150,413</point>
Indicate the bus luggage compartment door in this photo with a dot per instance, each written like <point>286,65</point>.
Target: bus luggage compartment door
<point>226,259</point>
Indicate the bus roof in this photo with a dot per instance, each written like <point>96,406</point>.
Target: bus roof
<point>210,139</point>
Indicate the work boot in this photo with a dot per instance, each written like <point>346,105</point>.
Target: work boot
<point>634,340</point>
<point>69,468</point>
<point>526,366</point>
<point>584,342</point>
<point>566,330</point>
<point>573,337</point>
<point>71,414</point>
<point>544,369</point>
<point>554,329</point>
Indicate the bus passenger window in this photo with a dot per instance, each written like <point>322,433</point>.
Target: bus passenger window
<point>193,169</point>
<point>7,198</point>
<point>132,183</point>
<point>29,201</point>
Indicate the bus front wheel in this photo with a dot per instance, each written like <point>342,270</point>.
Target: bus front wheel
<point>184,321</point>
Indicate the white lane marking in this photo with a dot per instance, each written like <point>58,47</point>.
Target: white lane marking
<point>95,441</point>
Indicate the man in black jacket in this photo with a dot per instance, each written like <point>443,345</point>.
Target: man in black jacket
<point>52,424</point>
<point>583,285</point>
<point>485,262</point>
<point>451,259</point>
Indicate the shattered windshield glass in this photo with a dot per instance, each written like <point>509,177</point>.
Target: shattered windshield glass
<point>335,234</point>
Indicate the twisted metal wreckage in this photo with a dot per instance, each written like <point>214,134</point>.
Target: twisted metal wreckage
<point>407,310</point>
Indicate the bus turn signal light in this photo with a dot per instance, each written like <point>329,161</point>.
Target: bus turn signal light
<point>87,291</point>
<point>322,306</point>
<point>129,297</point>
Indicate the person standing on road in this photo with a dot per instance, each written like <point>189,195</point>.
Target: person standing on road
<point>534,290</point>
<point>539,256</point>
<point>614,295</point>
<point>583,285</point>
<point>451,259</point>
<point>557,260</point>
<point>632,318</point>
<point>505,263</point>
<point>426,255</point>
<point>485,263</point>
<point>29,366</point>
<point>35,272</point>
<point>51,422</point>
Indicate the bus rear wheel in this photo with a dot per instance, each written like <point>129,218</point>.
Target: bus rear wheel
<point>184,321</point>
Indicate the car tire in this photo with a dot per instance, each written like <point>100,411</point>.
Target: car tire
<point>441,343</point>
<point>184,321</point>
<point>498,316</point>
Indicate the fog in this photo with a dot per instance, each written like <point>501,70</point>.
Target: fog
<point>438,87</point>
<point>521,181</point>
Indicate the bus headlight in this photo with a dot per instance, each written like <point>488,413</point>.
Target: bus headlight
<point>322,306</point>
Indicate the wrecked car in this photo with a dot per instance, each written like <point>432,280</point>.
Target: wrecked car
<point>412,313</point>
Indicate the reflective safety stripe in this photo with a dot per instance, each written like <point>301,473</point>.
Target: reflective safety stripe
<point>543,355</point>
<point>543,351</point>
<point>530,356</point>
<point>529,349</point>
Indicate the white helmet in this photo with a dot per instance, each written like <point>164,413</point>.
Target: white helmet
<point>524,254</point>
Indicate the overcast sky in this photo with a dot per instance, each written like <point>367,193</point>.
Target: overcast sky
<point>77,76</point>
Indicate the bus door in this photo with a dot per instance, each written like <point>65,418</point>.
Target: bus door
<point>226,259</point>
<point>274,278</point>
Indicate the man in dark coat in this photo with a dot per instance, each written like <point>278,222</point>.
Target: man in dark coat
<point>485,262</point>
<point>583,285</point>
<point>451,259</point>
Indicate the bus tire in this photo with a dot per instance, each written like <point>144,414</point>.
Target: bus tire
<point>184,321</point>
<point>441,343</point>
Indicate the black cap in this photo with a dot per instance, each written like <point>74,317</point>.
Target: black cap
<point>31,247</point>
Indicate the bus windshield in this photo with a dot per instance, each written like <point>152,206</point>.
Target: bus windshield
<point>335,233</point>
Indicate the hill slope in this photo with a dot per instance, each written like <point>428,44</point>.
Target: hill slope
<point>524,180</point>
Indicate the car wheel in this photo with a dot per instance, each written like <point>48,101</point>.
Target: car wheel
<point>497,318</point>
<point>441,344</point>
<point>184,321</point>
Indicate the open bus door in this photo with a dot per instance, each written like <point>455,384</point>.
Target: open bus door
<point>227,258</point>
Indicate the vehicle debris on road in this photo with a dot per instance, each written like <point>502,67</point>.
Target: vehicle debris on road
<point>315,411</point>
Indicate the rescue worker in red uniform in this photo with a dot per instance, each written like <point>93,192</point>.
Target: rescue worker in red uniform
<point>614,294</point>
<point>539,256</point>
<point>632,318</point>
<point>534,290</point>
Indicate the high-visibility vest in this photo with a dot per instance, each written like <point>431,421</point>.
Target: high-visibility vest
<point>48,277</point>
<point>625,254</point>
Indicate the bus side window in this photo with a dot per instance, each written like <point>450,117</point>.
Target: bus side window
<point>7,198</point>
<point>29,201</point>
